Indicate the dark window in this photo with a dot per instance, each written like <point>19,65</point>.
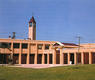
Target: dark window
<point>39,46</point>
<point>5,45</point>
<point>24,46</point>
<point>16,45</point>
<point>30,24</point>
<point>46,46</point>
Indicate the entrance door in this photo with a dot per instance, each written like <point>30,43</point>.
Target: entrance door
<point>57,58</point>
<point>23,58</point>
<point>50,58</point>
<point>39,59</point>
<point>86,58</point>
<point>72,58</point>
<point>65,58</point>
<point>1,59</point>
<point>32,57</point>
<point>45,57</point>
<point>78,58</point>
<point>15,58</point>
<point>93,58</point>
<point>4,58</point>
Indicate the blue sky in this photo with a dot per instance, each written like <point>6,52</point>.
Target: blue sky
<point>57,20</point>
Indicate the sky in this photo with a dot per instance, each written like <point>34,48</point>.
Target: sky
<point>56,20</point>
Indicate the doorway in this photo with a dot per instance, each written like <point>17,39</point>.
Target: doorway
<point>39,59</point>
<point>23,58</point>
<point>93,58</point>
<point>45,58</point>
<point>72,58</point>
<point>15,58</point>
<point>50,58</point>
<point>65,58</point>
<point>4,58</point>
<point>86,58</point>
<point>32,57</point>
<point>57,58</point>
<point>78,58</point>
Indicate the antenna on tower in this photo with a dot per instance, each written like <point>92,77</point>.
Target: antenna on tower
<point>79,39</point>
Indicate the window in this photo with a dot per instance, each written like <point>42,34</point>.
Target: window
<point>24,46</point>
<point>46,47</point>
<point>40,46</point>
<point>5,45</point>
<point>30,24</point>
<point>16,45</point>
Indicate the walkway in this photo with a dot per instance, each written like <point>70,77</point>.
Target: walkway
<point>38,66</point>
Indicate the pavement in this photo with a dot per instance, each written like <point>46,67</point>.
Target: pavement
<point>38,66</point>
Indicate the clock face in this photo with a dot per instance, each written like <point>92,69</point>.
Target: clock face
<point>30,24</point>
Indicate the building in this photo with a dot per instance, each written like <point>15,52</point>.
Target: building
<point>32,51</point>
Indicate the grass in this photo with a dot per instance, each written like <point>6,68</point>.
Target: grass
<point>78,72</point>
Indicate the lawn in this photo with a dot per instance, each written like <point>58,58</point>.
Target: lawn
<point>77,72</point>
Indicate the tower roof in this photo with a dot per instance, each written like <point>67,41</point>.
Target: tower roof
<point>32,20</point>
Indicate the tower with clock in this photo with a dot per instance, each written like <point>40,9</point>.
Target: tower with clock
<point>32,29</point>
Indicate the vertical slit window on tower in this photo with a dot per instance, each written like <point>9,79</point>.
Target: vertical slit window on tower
<point>30,24</point>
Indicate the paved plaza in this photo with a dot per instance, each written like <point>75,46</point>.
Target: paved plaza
<point>37,66</point>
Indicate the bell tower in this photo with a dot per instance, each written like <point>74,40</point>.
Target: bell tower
<point>32,29</point>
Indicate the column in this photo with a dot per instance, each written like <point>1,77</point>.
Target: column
<point>28,53</point>
<point>12,51</point>
<point>82,58</point>
<point>68,58</point>
<point>35,61</point>
<point>12,48</point>
<point>61,56</point>
<point>43,59</point>
<point>54,56</point>
<point>48,58</point>
<point>20,51</point>
<point>75,58</point>
<point>90,58</point>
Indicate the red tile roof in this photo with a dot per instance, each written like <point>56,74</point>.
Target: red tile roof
<point>65,44</point>
<point>70,44</point>
<point>32,20</point>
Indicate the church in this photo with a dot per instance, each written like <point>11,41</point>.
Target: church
<point>32,51</point>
